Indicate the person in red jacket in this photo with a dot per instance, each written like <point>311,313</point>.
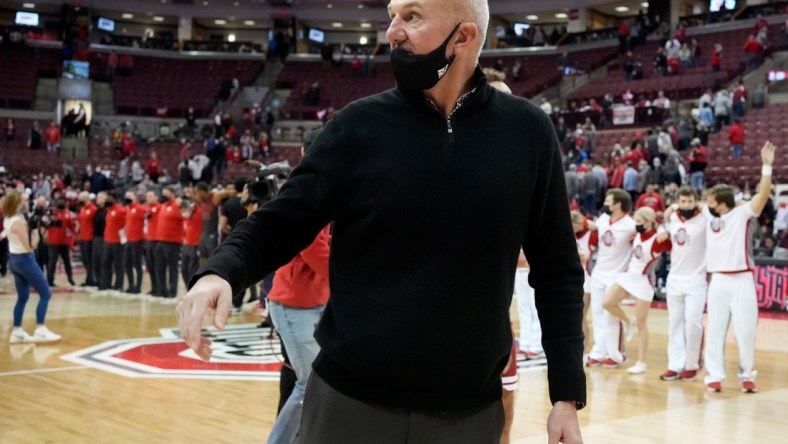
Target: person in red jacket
<point>752,50</point>
<point>297,300</point>
<point>169,232</point>
<point>86,216</point>
<point>59,231</point>
<point>153,167</point>
<point>135,235</point>
<point>736,138</point>
<point>651,199</point>
<point>113,248</point>
<point>52,137</point>
<point>190,257</point>
<point>716,57</point>
<point>152,240</point>
<point>623,37</point>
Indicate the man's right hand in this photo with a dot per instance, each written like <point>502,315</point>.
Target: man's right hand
<point>210,293</point>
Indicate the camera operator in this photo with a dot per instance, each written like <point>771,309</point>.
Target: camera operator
<point>38,221</point>
<point>59,228</point>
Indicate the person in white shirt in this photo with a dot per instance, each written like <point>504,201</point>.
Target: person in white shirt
<point>583,231</point>
<point>22,242</point>
<point>546,106</point>
<point>685,225</point>
<point>732,296</point>
<point>613,237</point>
<point>530,328</point>
<point>661,101</point>
<point>636,281</point>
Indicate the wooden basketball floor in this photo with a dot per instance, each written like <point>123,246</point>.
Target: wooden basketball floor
<point>45,399</point>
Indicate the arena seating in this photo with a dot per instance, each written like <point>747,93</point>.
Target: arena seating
<point>689,84</point>
<point>18,79</point>
<point>177,84</point>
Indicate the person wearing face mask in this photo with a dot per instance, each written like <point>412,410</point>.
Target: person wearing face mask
<point>135,235</point>
<point>685,225</point>
<point>457,160</point>
<point>58,239</point>
<point>732,295</point>
<point>646,251</point>
<point>192,215</point>
<point>612,239</point>
<point>85,218</point>
<point>113,246</point>
<point>170,234</point>
<point>151,241</point>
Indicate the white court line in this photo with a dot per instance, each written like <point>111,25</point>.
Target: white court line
<point>43,370</point>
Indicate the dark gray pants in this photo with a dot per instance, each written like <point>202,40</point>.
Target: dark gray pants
<point>150,264</point>
<point>112,261</point>
<point>167,267</point>
<point>132,259</point>
<point>55,251</point>
<point>190,262</point>
<point>86,252</point>
<point>330,417</point>
<point>97,255</point>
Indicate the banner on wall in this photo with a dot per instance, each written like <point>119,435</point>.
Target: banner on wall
<point>771,284</point>
<point>624,115</point>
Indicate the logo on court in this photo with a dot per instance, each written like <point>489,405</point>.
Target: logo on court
<point>681,236</point>
<point>242,351</point>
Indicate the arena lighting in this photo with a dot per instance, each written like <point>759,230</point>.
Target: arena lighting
<point>360,6</point>
<point>366,25</point>
<point>158,19</point>
<point>561,15</point>
<point>231,38</point>
<point>249,22</point>
<point>127,16</point>
<point>220,22</point>
<point>532,17</point>
<point>622,9</point>
<point>362,41</point>
<point>336,25</point>
<point>28,5</point>
<point>329,6</point>
<point>644,5</point>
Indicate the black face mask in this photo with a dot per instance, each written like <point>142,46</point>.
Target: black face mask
<point>606,210</point>
<point>128,201</point>
<point>686,214</point>
<point>640,228</point>
<point>419,72</point>
<point>713,212</point>
<point>164,199</point>
<point>109,203</point>
<point>60,206</point>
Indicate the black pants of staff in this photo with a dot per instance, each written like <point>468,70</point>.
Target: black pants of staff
<point>167,267</point>
<point>190,262</point>
<point>112,261</point>
<point>86,252</point>
<point>97,255</point>
<point>55,251</point>
<point>3,257</point>
<point>42,254</point>
<point>152,266</point>
<point>132,260</point>
<point>330,417</point>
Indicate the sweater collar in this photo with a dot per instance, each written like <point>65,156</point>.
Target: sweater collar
<point>469,103</point>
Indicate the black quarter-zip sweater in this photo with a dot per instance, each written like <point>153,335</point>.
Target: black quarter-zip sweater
<point>429,217</point>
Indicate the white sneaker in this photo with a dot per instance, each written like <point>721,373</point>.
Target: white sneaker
<point>637,369</point>
<point>20,336</point>
<point>629,330</point>
<point>43,334</point>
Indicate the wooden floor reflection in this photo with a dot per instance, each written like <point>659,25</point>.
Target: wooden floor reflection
<point>45,399</point>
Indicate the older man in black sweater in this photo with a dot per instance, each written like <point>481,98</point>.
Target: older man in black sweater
<point>433,188</point>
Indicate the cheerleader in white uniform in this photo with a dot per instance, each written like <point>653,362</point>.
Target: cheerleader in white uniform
<point>583,230</point>
<point>646,250</point>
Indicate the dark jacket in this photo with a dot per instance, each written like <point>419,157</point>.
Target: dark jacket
<point>429,217</point>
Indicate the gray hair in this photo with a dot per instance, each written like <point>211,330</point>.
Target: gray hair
<point>478,12</point>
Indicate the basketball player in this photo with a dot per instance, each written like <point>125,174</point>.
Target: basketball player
<point>646,251</point>
<point>613,237</point>
<point>685,225</point>
<point>732,295</point>
<point>583,232</point>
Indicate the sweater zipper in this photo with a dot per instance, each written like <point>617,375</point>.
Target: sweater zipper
<point>450,154</point>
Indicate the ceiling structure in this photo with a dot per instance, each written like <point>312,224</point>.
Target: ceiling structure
<point>324,14</point>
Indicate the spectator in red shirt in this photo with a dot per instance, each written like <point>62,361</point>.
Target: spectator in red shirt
<point>617,178</point>
<point>129,146</point>
<point>263,142</point>
<point>59,231</point>
<point>135,235</point>
<point>169,232</point>
<point>623,37</point>
<point>153,167</point>
<point>113,248</point>
<point>697,166</point>
<point>716,57</point>
<point>752,51</point>
<point>86,216</point>
<point>739,100</point>
<point>651,199</point>
<point>736,139</point>
<point>52,137</point>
